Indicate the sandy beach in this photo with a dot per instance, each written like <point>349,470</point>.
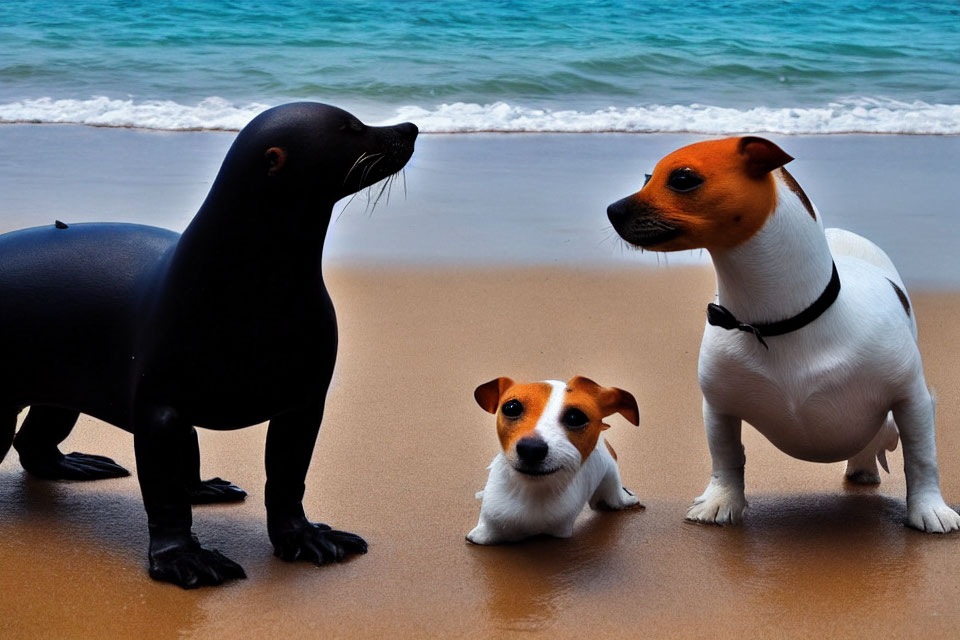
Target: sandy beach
<point>403,450</point>
<point>499,262</point>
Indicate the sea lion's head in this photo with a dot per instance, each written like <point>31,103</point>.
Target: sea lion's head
<point>305,155</point>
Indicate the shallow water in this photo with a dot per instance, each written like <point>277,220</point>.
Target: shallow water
<point>492,199</point>
<point>812,66</point>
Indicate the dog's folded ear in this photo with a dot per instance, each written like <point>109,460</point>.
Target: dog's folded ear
<point>488,394</point>
<point>614,400</point>
<point>611,400</point>
<point>762,155</point>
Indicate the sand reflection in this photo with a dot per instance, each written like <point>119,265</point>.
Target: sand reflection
<point>529,583</point>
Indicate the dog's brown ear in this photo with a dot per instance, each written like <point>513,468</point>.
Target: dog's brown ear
<point>610,399</point>
<point>613,400</point>
<point>488,394</point>
<point>762,156</point>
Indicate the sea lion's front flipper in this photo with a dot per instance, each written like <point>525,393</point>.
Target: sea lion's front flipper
<point>162,441</point>
<point>290,440</point>
<point>46,427</point>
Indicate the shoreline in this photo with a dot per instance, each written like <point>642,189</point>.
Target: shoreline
<point>522,199</point>
<point>510,132</point>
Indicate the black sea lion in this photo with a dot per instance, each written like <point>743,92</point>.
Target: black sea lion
<point>223,327</point>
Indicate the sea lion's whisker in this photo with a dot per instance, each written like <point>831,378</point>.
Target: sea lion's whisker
<point>366,172</point>
<point>347,205</point>
<point>389,188</point>
<point>363,158</point>
<point>385,183</point>
<point>358,161</point>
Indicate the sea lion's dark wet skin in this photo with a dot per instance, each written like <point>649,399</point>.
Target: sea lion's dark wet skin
<point>226,326</point>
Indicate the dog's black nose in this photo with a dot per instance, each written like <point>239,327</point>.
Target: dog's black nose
<point>619,211</point>
<point>532,450</point>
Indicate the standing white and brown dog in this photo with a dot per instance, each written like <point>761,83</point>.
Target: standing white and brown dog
<point>812,339</point>
<point>554,458</point>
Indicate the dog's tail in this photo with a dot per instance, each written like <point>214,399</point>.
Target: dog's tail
<point>887,439</point>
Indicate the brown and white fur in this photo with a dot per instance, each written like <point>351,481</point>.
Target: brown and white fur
<point>840,388</point>
<point>554,457</point>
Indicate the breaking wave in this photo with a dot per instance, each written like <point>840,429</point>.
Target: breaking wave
<point>854,115</point>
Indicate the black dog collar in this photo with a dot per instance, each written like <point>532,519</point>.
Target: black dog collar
<point>720,316</point>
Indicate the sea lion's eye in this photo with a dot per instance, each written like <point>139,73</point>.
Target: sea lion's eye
<point>574,418</point>
<point>684,180</point>
<point>512,408</point>
<point>353,125</point>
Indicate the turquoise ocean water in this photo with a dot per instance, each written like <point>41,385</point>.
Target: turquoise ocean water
<point>558,65</point>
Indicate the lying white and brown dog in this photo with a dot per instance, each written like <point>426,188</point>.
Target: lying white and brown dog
<point>812,339</point>
<point>554,458</point>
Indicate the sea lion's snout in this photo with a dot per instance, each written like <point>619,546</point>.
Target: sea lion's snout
<point>389,150</point>
<point>407,130</point>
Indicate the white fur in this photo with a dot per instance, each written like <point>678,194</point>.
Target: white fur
<point>838,389</point>
<point>517,506</point>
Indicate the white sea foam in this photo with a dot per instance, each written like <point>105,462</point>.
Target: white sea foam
<point>861,115</point>
<point>854,115</point>
<point>209,114</point>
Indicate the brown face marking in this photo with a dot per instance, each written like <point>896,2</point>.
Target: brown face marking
<point>794,186</point>
<point>533,397</point>
<point>597,403</point>
<point>737,196</point>
<point>903,296</point>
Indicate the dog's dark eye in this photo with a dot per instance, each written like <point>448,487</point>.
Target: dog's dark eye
<point>684,180</point>
<point>574,419</point>
<point>646,178</point>
<point>512,408</point>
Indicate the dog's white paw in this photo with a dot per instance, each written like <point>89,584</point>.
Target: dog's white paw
<point>482,534</point>
<point>932,515</point>
<point>625,499</point>
<point>719,504</point>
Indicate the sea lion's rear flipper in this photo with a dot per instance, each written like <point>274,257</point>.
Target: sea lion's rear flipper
<point>215,490</point>
<point>46,427</point>
<point>212,491</point>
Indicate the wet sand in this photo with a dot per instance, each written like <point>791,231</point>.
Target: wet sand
<point>485,199</point>
<point>404,448</point>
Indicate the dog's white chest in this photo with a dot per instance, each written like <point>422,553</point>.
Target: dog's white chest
<point>822,405</point>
